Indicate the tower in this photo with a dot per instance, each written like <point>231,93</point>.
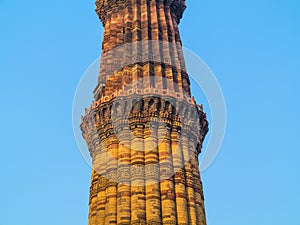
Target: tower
<point>144,130</point>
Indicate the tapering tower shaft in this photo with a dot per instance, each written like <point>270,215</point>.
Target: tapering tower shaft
<point>144,130</point>
<point>145,37</point>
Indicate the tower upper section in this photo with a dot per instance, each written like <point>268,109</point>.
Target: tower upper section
<point>105,7</point>
<point>141,43</point>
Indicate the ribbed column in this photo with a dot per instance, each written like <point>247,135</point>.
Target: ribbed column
<point>93,190</point>
<point>153,207</point>
<point>106,37</point>
<point>106,59</point>
<point>144,20</point>
<point>164,48</point>
<point>115,20</point>
<point>138,203</point>
<point>169,52</point>
<point>100,168</point>
<point>101,201</point>
<point>128,26</point>
<point>173,50</point>
<point>199,200</point>
<point>154,48</point>
<point>162,21</point>
<point>136,22</point>
<point>154,21</point>
<point>189,179</point>
<point>145,38</point>
<point>167,189</point>
<point>124,189</point>
<point>93,199</point>
<point>111,186</point>
<point>180,181</point>
<point>128,18</point>
<point>120,26</point>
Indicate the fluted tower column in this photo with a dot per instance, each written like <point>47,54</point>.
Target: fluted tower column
<point>144,130</point>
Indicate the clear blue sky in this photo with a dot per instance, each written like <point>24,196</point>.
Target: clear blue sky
<point>253,47</point>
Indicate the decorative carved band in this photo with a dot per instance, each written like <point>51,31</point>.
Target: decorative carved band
<point>110,118</point>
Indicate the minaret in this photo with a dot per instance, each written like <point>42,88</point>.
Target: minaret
<point>144,130</point>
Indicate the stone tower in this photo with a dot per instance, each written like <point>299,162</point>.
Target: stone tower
<point>144,130</point>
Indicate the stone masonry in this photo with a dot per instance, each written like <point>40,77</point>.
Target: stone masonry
<point>144,130</point>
